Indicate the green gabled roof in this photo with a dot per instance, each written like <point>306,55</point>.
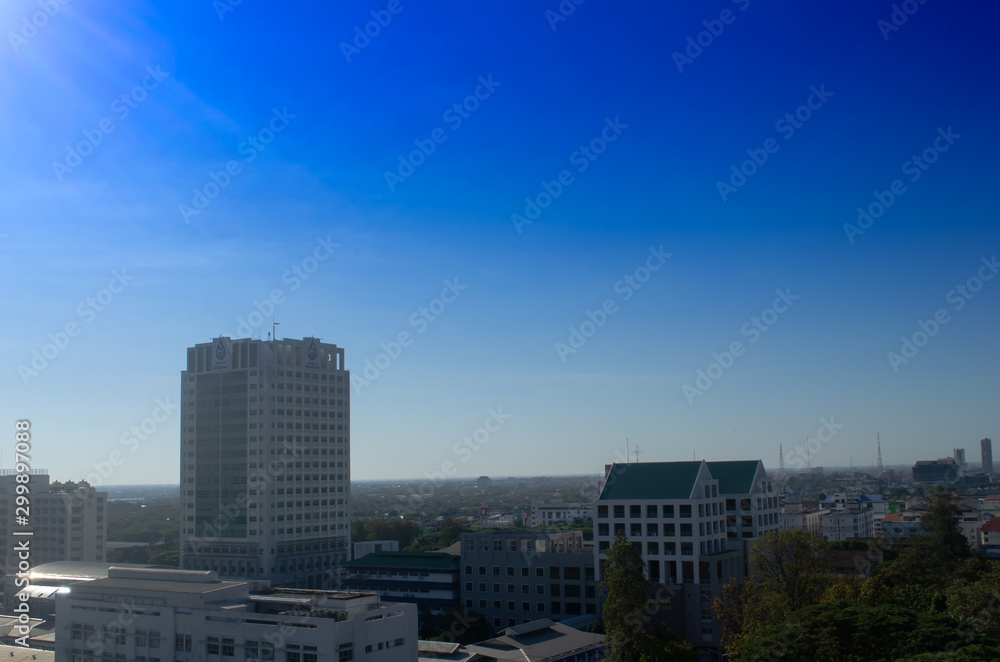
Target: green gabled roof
<point>651,481</point>
<point>408,560</point>
<point>735,477</point>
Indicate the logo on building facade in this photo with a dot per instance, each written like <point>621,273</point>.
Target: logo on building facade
<point>222,348</point>
<point>312,355</point>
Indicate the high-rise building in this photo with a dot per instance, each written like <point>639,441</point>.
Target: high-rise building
<point>960,458</point>
<point>265,460</point>
<point>67,522</point>
<point>987,447</point>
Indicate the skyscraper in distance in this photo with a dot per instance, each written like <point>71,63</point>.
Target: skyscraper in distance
<point>265,460</point>
<point>987,447</point>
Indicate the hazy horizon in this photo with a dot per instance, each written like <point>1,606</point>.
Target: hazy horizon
<point>537,233</point>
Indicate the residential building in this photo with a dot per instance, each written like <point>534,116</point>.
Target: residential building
<point>515,577</point>
<point>265,460</point>
<point>900,526</point>
<point>545,514</point>
<point>429,580</point>
<point>796,517</point>
<point>879,506</point>
<point>853,523</point>
<point>67,521</point>
<point>153,614</point>
<point>537,641</point>
<point>990,537</point>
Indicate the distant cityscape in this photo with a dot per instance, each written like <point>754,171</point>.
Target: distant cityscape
<point>266,512</point>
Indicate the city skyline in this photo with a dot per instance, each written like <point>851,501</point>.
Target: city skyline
<point>703,228</point>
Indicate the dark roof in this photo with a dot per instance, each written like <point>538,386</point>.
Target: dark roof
<point>651,481</point>
<point>735,477</point>
<point>421,560</point>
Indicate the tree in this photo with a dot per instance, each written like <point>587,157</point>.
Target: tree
<point>624,612</point>
<point>945,541</point>
<point>450,532</point>
<point>842,632</point>
<point>788,570</point>
<point>794,564</point>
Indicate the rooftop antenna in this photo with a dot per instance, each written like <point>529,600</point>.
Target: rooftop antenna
<point>879,441</point>
<point>273,330</point>
<point>636,449</point>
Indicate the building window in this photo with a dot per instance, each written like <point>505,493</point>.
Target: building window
<point>651,511</point>
<point>685,510</point>
<point>635,511</point>
<point>602,511</point>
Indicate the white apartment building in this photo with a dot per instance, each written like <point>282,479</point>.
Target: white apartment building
<point>855,522</point>
<point>265,460</point>
<point>542,514</point>
<point>149,615</point>
<point>752,507</point>
<point>794,517</point>
<point>67,520</point>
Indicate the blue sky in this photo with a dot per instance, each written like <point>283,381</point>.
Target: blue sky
<point>310,127</point>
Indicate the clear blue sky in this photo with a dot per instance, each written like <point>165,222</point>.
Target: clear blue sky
<point>220,84</point>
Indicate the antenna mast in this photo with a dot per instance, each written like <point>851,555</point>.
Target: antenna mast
<point>879,441</point>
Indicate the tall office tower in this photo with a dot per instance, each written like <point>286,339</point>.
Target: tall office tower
<point>960,458</point>
<point>987,447</point>
<point>265,460</point>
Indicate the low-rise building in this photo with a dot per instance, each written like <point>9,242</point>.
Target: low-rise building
<point>429,580</point>
<point>515,577</point>
<point>545,514</point>
<point>796,517</point>
<point>990,537</point>
<point>147,614</point>
<point>853,523</point>
<point>536,641</point>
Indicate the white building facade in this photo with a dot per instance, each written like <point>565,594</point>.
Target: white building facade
<point>265,460</point>
<point>147,615</point>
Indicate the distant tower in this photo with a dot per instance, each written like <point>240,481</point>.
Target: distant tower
<point>987,447</point>
<point>879,441</point>
<point>781,460</point>
<point>960,458</point>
